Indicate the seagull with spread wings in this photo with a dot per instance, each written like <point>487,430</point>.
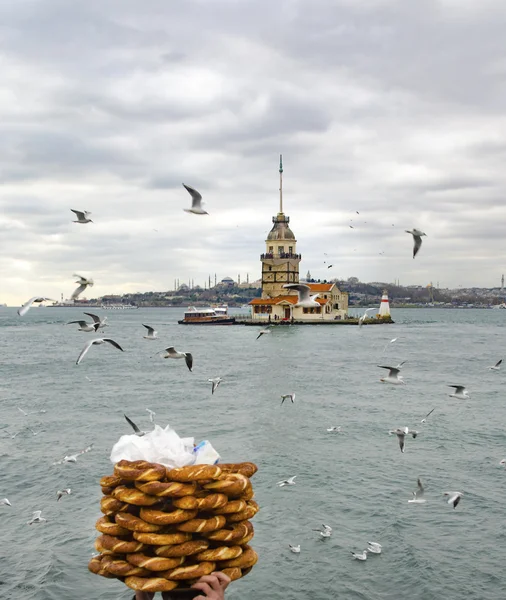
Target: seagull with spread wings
<point>82,216</point>
<point>97,342</point>
<point>196,208</point>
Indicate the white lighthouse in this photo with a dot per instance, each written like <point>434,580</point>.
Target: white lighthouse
<point>384,312</point>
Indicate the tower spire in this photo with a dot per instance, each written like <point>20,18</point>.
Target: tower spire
<point>280,183</point>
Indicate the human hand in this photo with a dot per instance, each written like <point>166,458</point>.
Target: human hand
<point>213,586</point>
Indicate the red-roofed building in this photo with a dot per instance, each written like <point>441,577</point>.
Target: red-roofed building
<point>280,267</point>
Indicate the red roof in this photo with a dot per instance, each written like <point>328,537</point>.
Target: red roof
<point>280,299</point>
<point>320,287</point>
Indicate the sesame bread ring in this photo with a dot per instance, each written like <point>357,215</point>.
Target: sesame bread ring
<point>233,506</point>
<point>160,517</point>
<point>139,470</point>
<point>100,548</point>
<point>233,572</point>
<point>246,539</point>
<point>121,568</point>
<point>95,566</point>
<point>104,525</point>
<point>110,505</point>
<point>194,473</point>
<point>221,553</point>
<point>203,525</point>
<point>118,546</point>
<point>154,563</point>
<point>107,491</point>
<point>185,549</point>
<point>211,502</point>
<point>112,481</point>
<point>132,523</point>
<point>230,534</point>
<point>190,571</point>
<point>250,511</point>
<point>231,484</point>
<point>133,496</point>
<point>186,502</point>
<point>162,539</point>
<point>248,493</point>
<point>150,584</point>
<point>167,488</point>
<point>245,468</point>
<point>247,559</point>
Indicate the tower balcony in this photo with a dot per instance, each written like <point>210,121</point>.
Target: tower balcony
<point>280,255</point>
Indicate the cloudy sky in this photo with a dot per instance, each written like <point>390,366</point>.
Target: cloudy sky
<point>391,108</point>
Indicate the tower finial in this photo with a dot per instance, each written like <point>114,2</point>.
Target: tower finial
<point>280,183</point>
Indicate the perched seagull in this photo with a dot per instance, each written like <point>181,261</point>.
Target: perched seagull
<point>82,216</point>
<point>294,549</point>
<point>497,366</point>
<point>216,382</point>
<point>305,299</point>
<point>503,462</point>
<point>171,352</point>
<point>196,208</point>
<point>417,239</point>
<point>263,332</point>
<point>28,305</point>
<point>83,284</point>
<point>152,415</point>
<point>454,497</point>
<point>418,495</point>
<point>68,458</point>
<point>334,429</point>
<point>401,433</point>
<point>97,342</point>
<point>326,532</point>
<point>364,316</point>
<point>138,432</point>
<point>151,333</point>
<point>362,556</point>
<point>460,392</point>
<point>61,493</point>
<point>393,376</point>
<point>5,501</point>
<point>289,481</point>
<point>374,547</point>
<point>36,518</point>
<point>97,320</point>
<point>424,420</point>
<point>290,397</point>
<point>83,326</point>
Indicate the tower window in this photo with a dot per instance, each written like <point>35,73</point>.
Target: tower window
<point>270,268</point>
<point>281,249</point>
<point>290,249</point>
<point>271,249</point>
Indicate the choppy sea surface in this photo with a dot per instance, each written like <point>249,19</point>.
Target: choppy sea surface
<point>356,481</point>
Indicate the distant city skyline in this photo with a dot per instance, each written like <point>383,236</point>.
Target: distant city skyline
<point>389,116</point>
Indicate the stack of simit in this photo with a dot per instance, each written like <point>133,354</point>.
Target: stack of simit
<point>164,528</point>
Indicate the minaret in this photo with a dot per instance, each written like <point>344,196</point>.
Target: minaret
<point>280,263</point>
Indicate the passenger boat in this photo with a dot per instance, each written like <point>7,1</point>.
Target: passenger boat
<point>207,316</point>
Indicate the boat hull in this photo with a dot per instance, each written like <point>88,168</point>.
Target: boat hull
<point>202,321</point>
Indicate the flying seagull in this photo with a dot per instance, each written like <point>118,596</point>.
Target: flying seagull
<point>374,547</point>
<point>151,333</point>
<point>305,299</point>
<point>28,305</point>
<point>364,316</point>
<point>401,433</point>
<point>418,495</point>
<point>61,493</point>
<point>263,332</point>
<point>388,343</point>
<point>196,208</point>
<point>82,216</point>
<point>83,326</point>
<point>171,352</point>
<point>152,415</point>
<point>417,239</point>
<point>460,392</point>
<point>36,518</point>
<point>393,376</point>
<point>424,420</point>
<point>96,319</point>
<point>294,549</point>
<point>497,366</point>
<point>453,497</point>
<point>360,556</point>
<point>83,282</point>
<point>138,432</point>
<point>216,382</point>
<point>72,458</point>
<point>97,342</point>
<point>5,501</point>
<point>289,481</point>
<point>290,397</point>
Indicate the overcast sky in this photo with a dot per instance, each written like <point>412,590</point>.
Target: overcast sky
<point>391,108</point>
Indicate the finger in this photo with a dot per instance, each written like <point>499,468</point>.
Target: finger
<point>213,581</point>
<point>202,586</point>
<point>223,579</point>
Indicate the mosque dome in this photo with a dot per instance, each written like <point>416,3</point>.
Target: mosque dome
<point>280,230</point>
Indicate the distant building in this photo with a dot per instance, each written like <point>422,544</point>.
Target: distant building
<point>228,281</point>
<point>280,265</point>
